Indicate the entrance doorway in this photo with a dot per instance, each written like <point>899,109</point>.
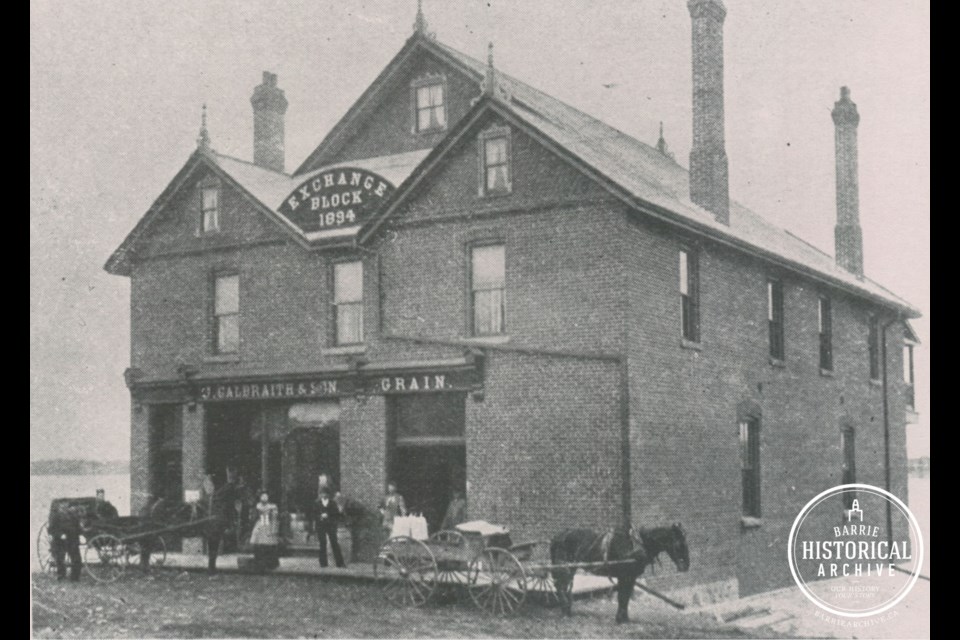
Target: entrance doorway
<point>427,451</point>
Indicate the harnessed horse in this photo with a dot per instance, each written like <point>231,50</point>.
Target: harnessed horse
<point>618,554</point>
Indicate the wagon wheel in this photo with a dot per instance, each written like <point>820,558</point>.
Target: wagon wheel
<point>45,549</point>
<point>498,582</point>
<point>406,571</point>
<point>158,552</point>
<point>105,558</point>
<point>542,583</point>
<point>450,551</point>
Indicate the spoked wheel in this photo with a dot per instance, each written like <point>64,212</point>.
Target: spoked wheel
<point>450,550</point>
<point>406,571</point>
<point>158,552</point>
<point>541,583</point>
<point>45,550</point>
<point>498,583</point>
<point>105,558</point>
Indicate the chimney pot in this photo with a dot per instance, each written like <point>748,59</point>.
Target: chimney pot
<point>848,236</point>
<point>269,107</point>
<point>709,186</point>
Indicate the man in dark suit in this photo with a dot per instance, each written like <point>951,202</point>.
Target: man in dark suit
<point>329,514</point>
<point>64,527</point>
<point>223,510</point>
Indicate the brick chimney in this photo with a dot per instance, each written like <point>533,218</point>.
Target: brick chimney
<point>708,156</point>
<point>848,237</point>
<point>269,106</point>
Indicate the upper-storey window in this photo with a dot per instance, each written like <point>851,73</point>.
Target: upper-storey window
<point>496,173</point>
<point>226,312</point>
<point>908,374</point>
<point>826,334</point>
<point>873,345</point>
<point>775,318</point>
<point>429,104</point>
<point>487,289</point>
<point>210,209</point>
<point>689,295</point>
<point>348,302</point>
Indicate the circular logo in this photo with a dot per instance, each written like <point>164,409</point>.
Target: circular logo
<point>855,550</point>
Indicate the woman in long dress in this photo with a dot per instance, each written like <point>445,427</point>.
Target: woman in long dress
<point>266,535</point>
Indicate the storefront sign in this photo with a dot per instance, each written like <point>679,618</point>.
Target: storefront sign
<point>336,198</point>
<point>364,383</point>
<point>270,390</point>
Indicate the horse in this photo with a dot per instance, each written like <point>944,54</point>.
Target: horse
<point>618,554</point>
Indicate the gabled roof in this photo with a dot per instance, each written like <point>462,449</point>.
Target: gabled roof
<point>638,173</point>
<point>266,189</point>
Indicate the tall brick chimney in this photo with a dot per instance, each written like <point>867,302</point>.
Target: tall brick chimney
<point>708,156</point>
<point>848,237</point>
<point>269,106</point>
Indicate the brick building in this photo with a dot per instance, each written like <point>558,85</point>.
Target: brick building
<point>471,285</point>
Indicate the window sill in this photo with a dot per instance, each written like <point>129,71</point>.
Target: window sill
<point>690,344</point>
<point>826,373</point>
<point>343,350</point>
<point>432,131</point>
<point>749,522</point>
<point>777,362</point>
<point>487,340</point>
<point>496,194</point>
<point>222,358</point>
<point>876,383</point>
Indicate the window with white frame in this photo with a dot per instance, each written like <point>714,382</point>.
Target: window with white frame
<point>210,209</point>
<point>496,173</point>
<point>487,289</point>
<point>348,302</point>
<point>226,313</point>
<point>430,107</point>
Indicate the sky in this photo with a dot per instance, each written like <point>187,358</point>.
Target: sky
<point>117,88</point>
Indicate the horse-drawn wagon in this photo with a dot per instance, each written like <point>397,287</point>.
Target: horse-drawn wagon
<point>481,560</point>
<point>111,544</point>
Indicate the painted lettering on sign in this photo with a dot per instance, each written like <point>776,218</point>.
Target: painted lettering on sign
<point>335,198</point>
<point>406,384</point>
<point>266,391</point>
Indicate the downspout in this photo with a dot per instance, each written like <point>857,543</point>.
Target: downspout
<point>625,481</point>
<point>886,423</point>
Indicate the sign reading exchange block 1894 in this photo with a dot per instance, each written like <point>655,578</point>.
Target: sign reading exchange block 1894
<point>335,198</point>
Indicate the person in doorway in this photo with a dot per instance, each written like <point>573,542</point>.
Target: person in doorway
<point>456,511</point>
<point>265,537</point>
<point>329,514</point>
<point>65,528</point>
<point>223,511</point>
<point>391,506</point>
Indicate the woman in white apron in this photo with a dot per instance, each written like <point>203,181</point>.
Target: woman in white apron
<point>266,535</point>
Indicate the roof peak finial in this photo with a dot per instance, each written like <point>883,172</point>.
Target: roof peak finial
<point>203,140</point>
<point>662,144</point>
<point>420,24</point>
<point>490,79</point>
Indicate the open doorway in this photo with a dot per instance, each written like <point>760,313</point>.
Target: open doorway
<point>427,451</point>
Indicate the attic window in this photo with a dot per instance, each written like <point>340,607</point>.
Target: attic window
<point>429,104</point>
<point>210,208</point>
<point>496,175</point>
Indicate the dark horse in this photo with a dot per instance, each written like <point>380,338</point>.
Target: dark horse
<point>618,554</point>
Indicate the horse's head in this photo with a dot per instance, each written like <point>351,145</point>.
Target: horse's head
<point>677,548</point>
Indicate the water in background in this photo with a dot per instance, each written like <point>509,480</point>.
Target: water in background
<point>43,489</point>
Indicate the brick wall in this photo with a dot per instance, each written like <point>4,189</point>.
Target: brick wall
<point>389,128</point>
<point>543,444</point>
